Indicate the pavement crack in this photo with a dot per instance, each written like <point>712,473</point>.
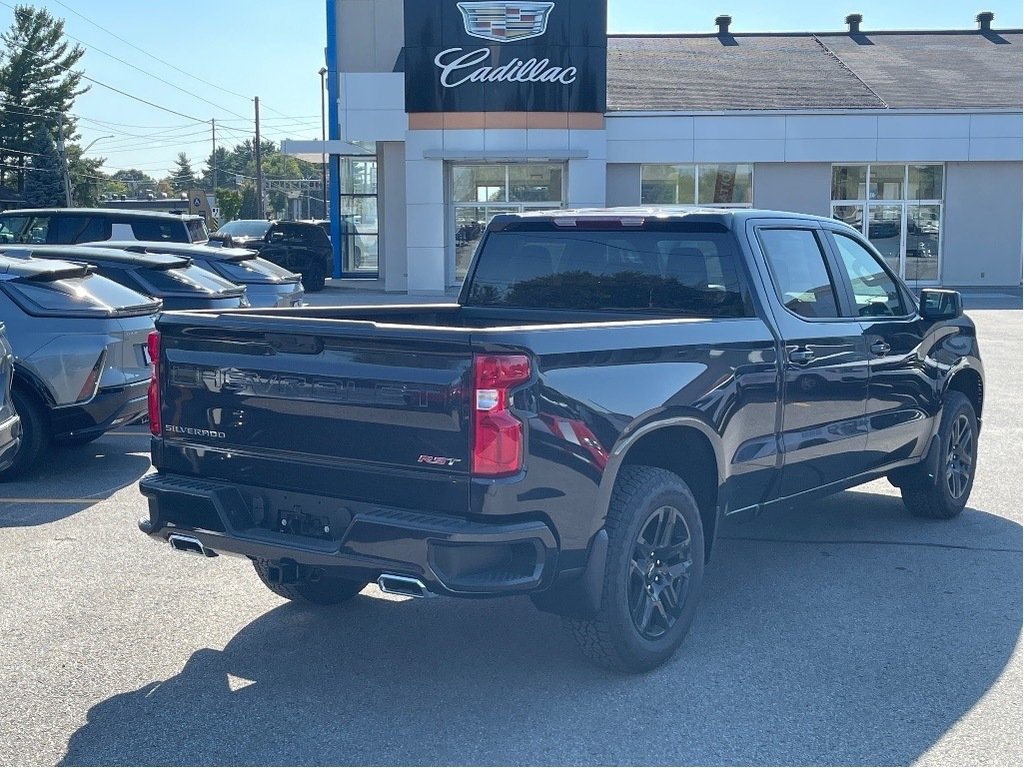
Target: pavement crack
<point>884,542</point>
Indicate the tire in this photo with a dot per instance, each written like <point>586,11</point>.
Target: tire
<point>649,599</point>
<point>314,280</point>
<point>944,496</point>
<point>35,434</point>
<point>315,588</point>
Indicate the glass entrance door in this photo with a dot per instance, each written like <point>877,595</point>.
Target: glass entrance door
<point>479,192</point>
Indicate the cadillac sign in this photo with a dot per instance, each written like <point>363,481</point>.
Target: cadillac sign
<point>540,56</point>
<point>505,22</point>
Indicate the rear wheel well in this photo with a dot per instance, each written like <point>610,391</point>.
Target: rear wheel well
<point>686,452</point>
<point>968,382</point>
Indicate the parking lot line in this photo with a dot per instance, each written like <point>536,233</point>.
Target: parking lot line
<point>27,500</point>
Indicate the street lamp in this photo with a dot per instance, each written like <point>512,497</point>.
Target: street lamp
<point>323,142</point>
<point>89,145</point>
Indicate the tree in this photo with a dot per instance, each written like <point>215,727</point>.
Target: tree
<point>225,175</point>
<point>248,208</point>
<point>37,87</point>
<point>138,183</point>
<point>230,203</point>
<point>182,178</point>
<point>88,182</point>
<point>44,183</point>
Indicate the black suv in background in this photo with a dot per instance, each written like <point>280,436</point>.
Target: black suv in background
<point>295,245</point>
<point>68,226</point>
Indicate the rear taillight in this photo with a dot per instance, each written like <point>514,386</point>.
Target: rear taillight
<point>153,347</point>
<point>497,435</point>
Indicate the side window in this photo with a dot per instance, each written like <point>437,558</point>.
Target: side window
<point>157,231</point>
<point>64,229</point>
<point>37,230</point>
<point>97,229</point>
<point>799,272</point>
<point>874,292</point>
<point>11,229</point>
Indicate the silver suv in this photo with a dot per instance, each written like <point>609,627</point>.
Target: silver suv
<point>68,226</point>
<point>81,364</point>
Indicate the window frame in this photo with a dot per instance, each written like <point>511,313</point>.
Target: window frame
<point>696,185</point>
<point>909,301</point>
<point>904,202</point>
<point>842,297</point>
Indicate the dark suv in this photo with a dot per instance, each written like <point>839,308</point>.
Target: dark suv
<point>295,245</point>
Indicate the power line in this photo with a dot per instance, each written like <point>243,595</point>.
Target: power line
<point>104,85</point>
<point>168,64</point>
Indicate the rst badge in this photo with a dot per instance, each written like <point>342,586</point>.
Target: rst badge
<point>505,22</point>
<point>437,461</point>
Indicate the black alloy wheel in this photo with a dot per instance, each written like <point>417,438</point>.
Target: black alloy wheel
<point>659,572</point>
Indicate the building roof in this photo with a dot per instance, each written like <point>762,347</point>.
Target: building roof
<point>867,70</point>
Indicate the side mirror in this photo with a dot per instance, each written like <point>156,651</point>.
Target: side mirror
<point>939,304</point>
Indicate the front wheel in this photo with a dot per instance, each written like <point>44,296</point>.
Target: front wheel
<point>944,495</point>
<point>35,434</point>
<point>653,574</point>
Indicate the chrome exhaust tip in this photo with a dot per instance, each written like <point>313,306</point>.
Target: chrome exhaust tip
<point>406,586</point>
<point>190,545</point>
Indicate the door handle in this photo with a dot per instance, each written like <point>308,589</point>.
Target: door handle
<point>801,356</point>
<point>880,347</point>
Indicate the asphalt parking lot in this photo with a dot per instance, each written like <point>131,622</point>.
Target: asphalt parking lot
<point>840,632</point>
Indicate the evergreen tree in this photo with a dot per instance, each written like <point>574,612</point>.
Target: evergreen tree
<point>183,178</point>
<point>44,183</point>
<point>248,208</point>
<point>37,87</point>
<point>225,174</point>
<point>87,180</point>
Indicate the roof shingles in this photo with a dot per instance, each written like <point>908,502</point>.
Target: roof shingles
<point>804,71</point>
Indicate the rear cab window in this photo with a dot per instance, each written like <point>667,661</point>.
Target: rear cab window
<point>675,270</point>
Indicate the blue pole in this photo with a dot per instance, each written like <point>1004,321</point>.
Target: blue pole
<point>334,163</point>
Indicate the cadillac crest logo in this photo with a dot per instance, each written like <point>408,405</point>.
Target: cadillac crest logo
<point>505,22</point>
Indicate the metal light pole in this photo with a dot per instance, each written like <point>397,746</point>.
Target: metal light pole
<point>89,145</point>
<point>323,142</point>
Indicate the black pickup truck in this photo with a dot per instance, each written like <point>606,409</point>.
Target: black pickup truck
<point>608,387</point>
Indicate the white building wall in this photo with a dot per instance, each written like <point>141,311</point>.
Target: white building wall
<point>393,254</point>
<point>981,225</point>
<point>797,187</point>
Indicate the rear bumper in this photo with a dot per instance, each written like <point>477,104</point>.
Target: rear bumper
<point>451,556</point>
<point>110,408</point>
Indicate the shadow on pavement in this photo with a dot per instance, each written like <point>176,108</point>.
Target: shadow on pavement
<point>808,649</point>
<point>86,475</point>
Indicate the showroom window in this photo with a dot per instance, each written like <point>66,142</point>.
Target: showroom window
<point>721,184</point>
<point>359,233</point>
<point>480,192</point>
<point>899,209</point>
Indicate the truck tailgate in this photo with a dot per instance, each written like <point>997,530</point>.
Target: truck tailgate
<point>340,408</point>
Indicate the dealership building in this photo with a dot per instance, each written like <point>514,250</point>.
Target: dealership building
<point>443,113</point>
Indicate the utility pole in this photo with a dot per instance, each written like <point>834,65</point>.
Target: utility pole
<point>61,150</point>
<point>213,154</point>
<point>259,166</point>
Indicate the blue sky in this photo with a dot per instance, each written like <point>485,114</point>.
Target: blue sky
<point>246,48</point>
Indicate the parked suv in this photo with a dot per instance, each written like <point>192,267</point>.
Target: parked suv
<point>296,245</point>
<point>81,365</point>
<point>266,284</point>
<point>66,226</point>
<point>173,279</point>
<point>10,423</point>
